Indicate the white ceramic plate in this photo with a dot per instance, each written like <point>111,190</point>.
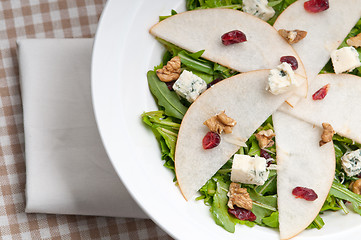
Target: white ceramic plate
<point>124,51</point>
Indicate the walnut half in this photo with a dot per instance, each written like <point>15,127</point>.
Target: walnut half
<point>293,36</point>
<point>239,196</point>
<point>171,71</point>
<point>356,186</point>
<point>327,134</point>
<point>264,138</point>
<point>220,123</point>
<point>354,41</point>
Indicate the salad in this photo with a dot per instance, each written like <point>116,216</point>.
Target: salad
<point>166,122</point>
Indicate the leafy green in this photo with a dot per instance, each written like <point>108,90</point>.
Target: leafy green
<point>219,208</point>
<point>272,220</point>
<point>340,191</point>
<point>330,204</point>
<point>193,62</point>
<point>254,150</point>
<point>173,12</point>
<point>270,186</point>
<point>207,192</point>
<point>166,98</point>
<point>202,4</point>
<point>263,206</point>
<point>317,223</point>
<point>165,130</point>
<point>173,49</point>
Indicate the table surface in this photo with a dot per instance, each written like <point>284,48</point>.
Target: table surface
<point>45,19</point>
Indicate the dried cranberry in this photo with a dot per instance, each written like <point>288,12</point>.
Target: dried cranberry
<point>170,85</point>
<point>321,93</point>
<point>305,193</point>
<point>290,60</point>
<point>265,154</point>
<point>242,214</point>
<point>315,6</point>
<point>217,80</point>
<point>211,140</point>
<point>233,37</point>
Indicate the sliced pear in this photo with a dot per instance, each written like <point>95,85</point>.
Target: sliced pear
<point>325,30</point>
<point>340,107</point>
<point>301,162</point>
<point>243,98</point>
<point>202,30</point>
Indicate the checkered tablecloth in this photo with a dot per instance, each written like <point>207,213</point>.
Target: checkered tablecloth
<point>44,19</point>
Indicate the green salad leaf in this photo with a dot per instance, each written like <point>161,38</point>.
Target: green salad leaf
<point>193,62</point>
<point>263,206</point>
<point>203,4</point>
<point>173,12</point>
<point>270,186</point>
<point>340,191</point>
<point>219,208</point>
<point>272,220</point>
<point>317,223</point>
<point>165,129</point>
<point>166,98</point>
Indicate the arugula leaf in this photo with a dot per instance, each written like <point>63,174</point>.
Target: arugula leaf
<point>274,3</point>
<point>272,220</point>
<point>173,12</point>
<point>219,208</point>
<point>223,72</point>
<point>208,190</point>
<point>193,62</point>
<point>165,129</point>
<point>166,98</point>
<point>173,49</point>
<point>317,223</point>
<point>263,206</point>
<point>270,186</point>
<point>340,191</point>
<point>203,4</point>
<point>254,150</point>
<point>330,204</point>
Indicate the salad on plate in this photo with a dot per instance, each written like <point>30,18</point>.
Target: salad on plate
<point>259,109</point>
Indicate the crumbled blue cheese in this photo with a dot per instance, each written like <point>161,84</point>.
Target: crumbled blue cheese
<point>351,162</point>
<point>189,86</point>
<point>345,59</point>
<point>281,79</point>
<point>249,170</point>
<point>258,8</point>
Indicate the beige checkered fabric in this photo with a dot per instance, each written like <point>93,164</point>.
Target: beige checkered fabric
<point>44,19</point>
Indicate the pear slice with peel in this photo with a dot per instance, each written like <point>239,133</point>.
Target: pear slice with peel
<point>301,162</point>
<point>341,106</point>
<point>202,30</point>
<point>243,98</point>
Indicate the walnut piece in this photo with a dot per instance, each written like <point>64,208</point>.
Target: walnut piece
<point>220,123</point>
<point>239,196</point>
<point>354,41</point>
<point>171,71</point>
<point>293,36</point>
<point>264,138</point>
<point>356,186</point>
<point>327,134</point>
